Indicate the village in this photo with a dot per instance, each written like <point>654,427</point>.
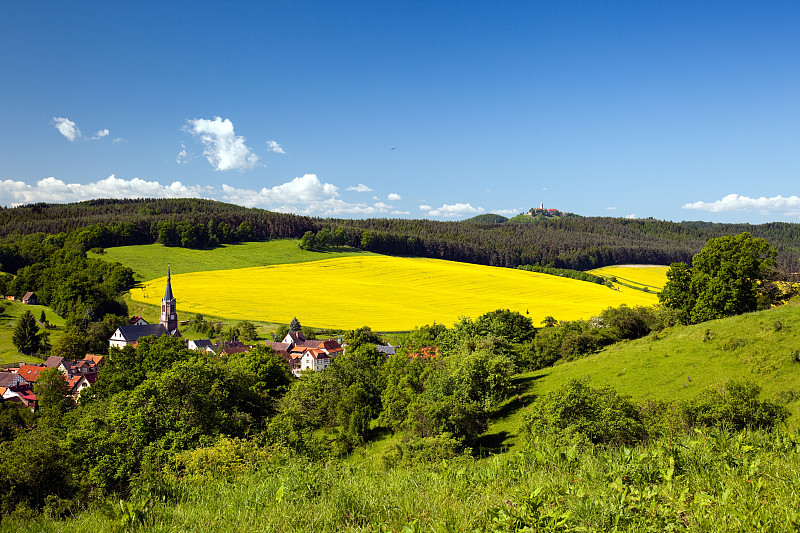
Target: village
<point>300,353</point>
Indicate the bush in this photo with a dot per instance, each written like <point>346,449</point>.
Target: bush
<point>600,414</point>
<point>733,405</point>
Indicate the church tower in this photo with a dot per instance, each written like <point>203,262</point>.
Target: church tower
<point>169,316</point>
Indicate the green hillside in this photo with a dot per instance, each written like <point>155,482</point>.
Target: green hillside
<point>149,261</point>
<point>678,363</point>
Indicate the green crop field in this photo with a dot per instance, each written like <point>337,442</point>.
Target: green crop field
<point>386,293</point>
<point>149,261</point>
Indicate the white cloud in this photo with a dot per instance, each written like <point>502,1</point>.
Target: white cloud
<point>610,208</point>
<point>733,202</point>
<point>272,146</point>
<point>401,212</point>
<point>452,210</point>
<point>100,134</point>
<point>359,188</point>
<point>183,156</point>
<point>393,197</point>
<point>630,216</point>
<point>118,140</point>
<point>67,128</point>
<point>305,195</point>
<point>223,148</point>
<point>57,191</point>
<point>506,211</point>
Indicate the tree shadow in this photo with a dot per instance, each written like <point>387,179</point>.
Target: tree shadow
<point>492,443</point>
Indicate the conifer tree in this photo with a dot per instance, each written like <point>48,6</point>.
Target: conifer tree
<point>294,325</point>
<point>26,336</point>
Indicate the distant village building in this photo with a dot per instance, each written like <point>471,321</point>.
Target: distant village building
<point>167,323</point>
<point>303,354</point>
<point>30,299</point>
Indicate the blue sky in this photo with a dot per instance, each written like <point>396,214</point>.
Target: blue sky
<point>672,110</point>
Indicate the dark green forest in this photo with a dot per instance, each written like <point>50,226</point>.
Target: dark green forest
<point>575,242</point>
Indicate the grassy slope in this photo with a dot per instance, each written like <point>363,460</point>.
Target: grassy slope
<point>9,314</point>
<point>150,261</point>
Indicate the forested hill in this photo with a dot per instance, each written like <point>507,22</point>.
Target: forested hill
<point>573,242</point>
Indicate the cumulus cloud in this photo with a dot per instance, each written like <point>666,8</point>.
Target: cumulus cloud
<point>223,148</point>
<point>630,216</point>
<point>401,212</point>
<point>734,202</point>
<point>67,128</point>
<point>57,191</point>
<point>306,195</point>
<point>100,134</point>
<point>452,210</point>
<point>272,146</point>
<point>393,197</point>
<point>359,188</point>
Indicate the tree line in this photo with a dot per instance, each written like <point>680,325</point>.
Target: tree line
<point>578,243</point>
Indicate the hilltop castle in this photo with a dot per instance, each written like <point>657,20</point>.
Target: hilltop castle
<point>167,322</point>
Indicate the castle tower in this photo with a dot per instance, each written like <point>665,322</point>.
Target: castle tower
<point>169,316</point>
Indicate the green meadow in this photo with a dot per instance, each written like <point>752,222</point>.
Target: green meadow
<point>9,315</point>
<point>150,261</point>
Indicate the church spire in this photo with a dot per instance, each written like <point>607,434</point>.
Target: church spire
<point>168,292</point>
<point>169,315</point>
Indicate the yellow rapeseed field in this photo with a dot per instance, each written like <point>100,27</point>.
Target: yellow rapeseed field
<point>385,293</point>
<point>652,276</point>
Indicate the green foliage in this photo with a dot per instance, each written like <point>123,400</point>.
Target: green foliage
<point>724,280</point>
<point>734,405</point>
<point>26,336</point>
<point>600,415</point>
<point>359,337</point>
<point>294,325</point>
<point>71,346</point>
<point>52,394</point>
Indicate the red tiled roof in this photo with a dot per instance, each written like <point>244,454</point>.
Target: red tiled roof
<point>30,372</point>
<point>428,352</point>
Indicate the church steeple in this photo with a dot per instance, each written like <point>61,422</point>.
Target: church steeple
<point>169,316</point>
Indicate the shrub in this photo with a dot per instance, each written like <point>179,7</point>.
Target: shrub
<point>600,414</point>
<point>734,405</point>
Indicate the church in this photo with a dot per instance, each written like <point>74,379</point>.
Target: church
<point>167,323</point>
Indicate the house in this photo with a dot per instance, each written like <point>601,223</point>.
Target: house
<point>426,352</point>
<point>98,360</point>
<point>167,323</point>
<point>30,373</point>
<point>79,382</point>
<point>386,350</point>
<point>53,362</point>
<point>30,299</point>
<point>72,368</point>
<point>11,379</point>
<point>303,354</point>
<point>200,345</point>
<point>138,321</point>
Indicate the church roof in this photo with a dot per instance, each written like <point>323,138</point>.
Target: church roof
<point>168,293</point>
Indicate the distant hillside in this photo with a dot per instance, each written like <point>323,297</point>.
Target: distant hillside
<point>488,218</point>
<point>575,242</point>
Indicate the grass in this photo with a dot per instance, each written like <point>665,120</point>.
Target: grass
<point>386,293</point>
<point>9,315</point>
<point>676,364</point>
<point>149,261</point>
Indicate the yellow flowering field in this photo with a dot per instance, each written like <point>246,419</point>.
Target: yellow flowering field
<point>385,293</point>
<point>651,276</point>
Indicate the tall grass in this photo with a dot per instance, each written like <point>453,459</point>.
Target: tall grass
<point>703,481</point>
